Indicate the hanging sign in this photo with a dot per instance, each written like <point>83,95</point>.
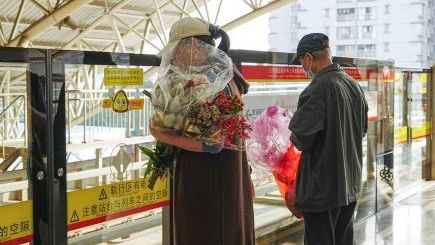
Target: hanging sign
<point>136,104</point>
<point>123,76</point>
<point>281,73</point>
<point>107,103</point>
<point>120,103</point>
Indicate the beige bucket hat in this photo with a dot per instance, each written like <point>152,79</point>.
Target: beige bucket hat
<point>188,27</point>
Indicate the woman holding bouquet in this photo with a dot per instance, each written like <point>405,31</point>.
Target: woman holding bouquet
<point>212,187</point>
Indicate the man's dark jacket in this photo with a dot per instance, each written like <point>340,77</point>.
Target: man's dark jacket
<point>328,127</point>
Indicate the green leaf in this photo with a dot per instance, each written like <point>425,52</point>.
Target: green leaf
<point>148,152</point>
<point>149,168</point>
<point>160,144</point>
<point>167,151</point>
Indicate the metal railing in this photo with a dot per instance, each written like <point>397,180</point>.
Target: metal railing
<point>13,119</point>
<point>87,121</point>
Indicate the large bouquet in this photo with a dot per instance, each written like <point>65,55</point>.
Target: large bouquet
<point>270,149</point>
<point>188,98</point>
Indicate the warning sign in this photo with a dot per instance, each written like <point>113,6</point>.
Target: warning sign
<point>107,103</point>
<point>74,217</point>
<point>422,131</point>
<point>103,195</point>
<point>99,204</point>
<point>401,134</point>
<point>87,207</point>
<point>136,104</point>
<point>123,76</point>
<point>16,223</point>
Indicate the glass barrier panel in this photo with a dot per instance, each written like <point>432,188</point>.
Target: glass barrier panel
<point>107,118</point>
<point>276,84</point>
<point>16,107</point>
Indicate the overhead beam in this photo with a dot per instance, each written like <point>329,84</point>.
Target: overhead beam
<point>160,18</point>
<point>117,34</point>
<point>40,7</point>
<point>157,32</point>
<point>249,4</point>
<point>132,11</point>
<point>197,9</point>
<point>135,32</point>
<point>206,10</point>
<point>67,22</point>
<point>145,34</point>
<point>2,36</point>
<point>50,7</point>
<point>17,20</point>
<point>267,8</point>
<point>137,25</point>
<point>183,8</point>
<point>218,12</point>
<point>96,23</point>
<point>27,22</point>
<point>47,21</point>
<point>89,46</point>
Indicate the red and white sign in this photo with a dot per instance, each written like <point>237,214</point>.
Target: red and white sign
<point>276,73</point>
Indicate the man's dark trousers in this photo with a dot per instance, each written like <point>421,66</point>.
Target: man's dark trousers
<point>332,227</point>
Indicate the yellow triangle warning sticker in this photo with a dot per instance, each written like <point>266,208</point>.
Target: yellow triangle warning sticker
<point>74,217</point>
<point>103,195</point>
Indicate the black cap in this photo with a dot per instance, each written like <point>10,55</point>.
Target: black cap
<point>309,43</point>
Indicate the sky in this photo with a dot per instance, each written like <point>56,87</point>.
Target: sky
<point>252,35</point>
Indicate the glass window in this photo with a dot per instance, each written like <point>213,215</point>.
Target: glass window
<point>327,13</point>
<point>347,32</point>
<point>366,50</point>
<point>347,14</point>
<point>386,47</point>
<point>367,32</point>
<point>327,30</point>
<point>387,9</point>
<point>387,28</point>
<point>367,13</point>
<point>294,21</point>
<point>296,7</point>
<point>346,50</point>
<point>294,37</point>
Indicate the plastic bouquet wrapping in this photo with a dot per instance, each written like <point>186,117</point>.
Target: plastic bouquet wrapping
<point>270,149</point>
<point>188,98</point>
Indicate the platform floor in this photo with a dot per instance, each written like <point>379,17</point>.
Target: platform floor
<point>410,221</point>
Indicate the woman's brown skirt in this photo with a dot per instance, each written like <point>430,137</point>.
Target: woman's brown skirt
<point>213,199</point>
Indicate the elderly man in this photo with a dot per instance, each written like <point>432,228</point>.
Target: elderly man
<point>328,127</point>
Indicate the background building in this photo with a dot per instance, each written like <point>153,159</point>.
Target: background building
<point>376,29</point>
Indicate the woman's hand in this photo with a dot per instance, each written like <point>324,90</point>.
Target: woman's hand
<point>154,132</point>
<point>185,143</point>
<point>182,142</point>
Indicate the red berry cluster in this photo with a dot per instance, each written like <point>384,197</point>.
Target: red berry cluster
<point>232,122</point>
<point>228,104</point>
<point>232,125</point>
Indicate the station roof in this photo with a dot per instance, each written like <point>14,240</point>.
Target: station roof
<point>139,26</point>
